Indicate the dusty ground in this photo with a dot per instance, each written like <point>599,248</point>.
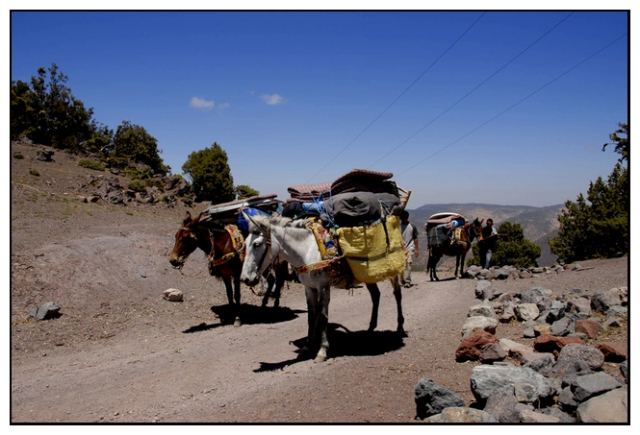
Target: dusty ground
<point>120,353</point>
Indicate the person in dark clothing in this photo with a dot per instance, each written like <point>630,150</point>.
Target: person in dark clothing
<point>488,244</point>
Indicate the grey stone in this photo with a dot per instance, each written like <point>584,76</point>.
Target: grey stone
<point>482,309</point>
<point>624,369</point>
<point>462,415</point>
<point>46,311</point>
<point>527,416</point>
<point>528,385</point>
<point>566,400</point>
<point>568,370</point>
<point>501,404</point>
<point>579,306</point>
<point>492,352</point>
<point>593,384</point>
<point>602,300</point>
<point>542,365</point>
<point>562,416</point>
<point>563,327</point>
<point>479,323</point>
<point>593,357</point>
<point>527,311</point>
<point>432,398</point>
<point>617,311</point>
<point>611,407</point>
<point>484,290</point>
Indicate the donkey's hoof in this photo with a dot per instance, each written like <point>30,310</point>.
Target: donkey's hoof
<point>237,322</point>
<point>321,357</point>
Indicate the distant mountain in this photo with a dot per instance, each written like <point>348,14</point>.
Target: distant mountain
<point>538,223</point>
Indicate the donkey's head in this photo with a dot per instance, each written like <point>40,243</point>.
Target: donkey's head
<point>189,237</point>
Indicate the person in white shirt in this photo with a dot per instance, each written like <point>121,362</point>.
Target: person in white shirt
<point>410,238</point>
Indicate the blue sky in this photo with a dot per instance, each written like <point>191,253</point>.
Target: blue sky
<point>502,107</point>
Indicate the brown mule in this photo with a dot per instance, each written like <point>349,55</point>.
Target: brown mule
<point>457,248</point>
<point>225,258</point>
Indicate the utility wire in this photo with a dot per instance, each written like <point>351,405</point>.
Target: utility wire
<point>473,90</point>
<point>399,96</point>
<point>516,104</point>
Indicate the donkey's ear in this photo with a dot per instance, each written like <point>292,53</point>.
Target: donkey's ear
<point>187,219</point>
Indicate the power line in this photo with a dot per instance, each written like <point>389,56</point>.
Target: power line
<point>473,90</point>
<point>516,104</point>
<point>399,96</point>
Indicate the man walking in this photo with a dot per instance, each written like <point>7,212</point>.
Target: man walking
<point>488,244</point>
<point>410,238</point>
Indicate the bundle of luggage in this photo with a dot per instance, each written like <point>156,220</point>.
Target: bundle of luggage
<point>443,229</point>
<point>229,213</point>
<point>361,209</point>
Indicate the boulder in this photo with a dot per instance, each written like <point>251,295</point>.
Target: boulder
<point>613,352</point>
<point>526,311</point>
<point>432,399</point>
<point>501,404</point>
<point>173,295</point>
<point>492,352</point>
<point>589,327</point>
<point>46,311</point>
<point>567,371</point>
<point>579,306</point>
<point>483,309</point>
<point>479,323</point>
<point>484,290</point>
<point>528,385</point>
<point>590,355</point>
<point>563,327</point>
<point>602,300</point>
<point>471,347</point>
<point>593,384</point>
<point>527,416</point>
<point>461,415</point>
<point>551,343</point>
<point>611,407</point>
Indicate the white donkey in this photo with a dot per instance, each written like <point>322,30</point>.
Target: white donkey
<point>280,237</point>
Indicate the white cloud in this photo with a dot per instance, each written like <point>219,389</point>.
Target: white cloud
<point>201,103</point>
<point>273,100</point>
<point>224,105</point>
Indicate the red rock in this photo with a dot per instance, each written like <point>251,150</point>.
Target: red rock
<point>613,352</point>
<point>553,344</point>
<point>588,327</point>
<point>471,347</point>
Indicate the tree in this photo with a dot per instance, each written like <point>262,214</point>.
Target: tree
<point>598,226</point>
<point>211,175</point>
<point>244,191</point>
<point>48,113</point>
<point>513,248</point>
<point>131,145</point>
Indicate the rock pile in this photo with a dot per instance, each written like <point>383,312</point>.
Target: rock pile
<point>560,379</point>
<point>110,189</point>
<point>511,272</point>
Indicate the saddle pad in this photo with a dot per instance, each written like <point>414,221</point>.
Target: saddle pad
<point>375,252</point>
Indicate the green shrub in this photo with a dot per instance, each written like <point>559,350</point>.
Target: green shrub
<point>91,164</point>
<point>18,156</point>
<point>34,172</point>
<point>138,186</point>
<point>154,182</point>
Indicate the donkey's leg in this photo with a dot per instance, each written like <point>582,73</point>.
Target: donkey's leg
<point>397,292</point>
<point>281,271</point>
<point>270,282</point>
<point>312,308</point>
<point>374,291</point>
<point>462,257</point>
<point>322,323</point>
<point>455,275</point>
<point>238,306</point>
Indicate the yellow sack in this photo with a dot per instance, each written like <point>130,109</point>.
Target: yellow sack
<point>370,258</point>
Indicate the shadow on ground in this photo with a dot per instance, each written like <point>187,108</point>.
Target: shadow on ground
<point>345,343</point>
<point>249,314</point>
